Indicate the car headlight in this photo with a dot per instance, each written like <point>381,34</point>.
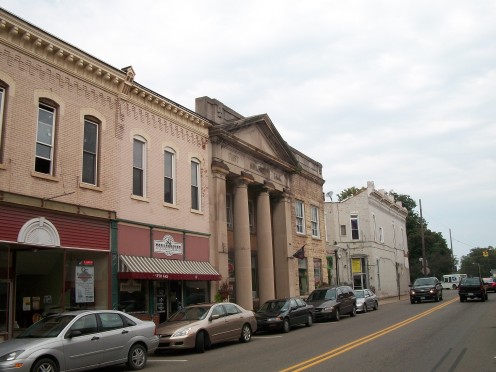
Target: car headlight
<point>181,332</point>
<point>276,319</point>
<point>412,292</point>
<point>328,308</point>
<point>11,356</point>
<point>433,290</point>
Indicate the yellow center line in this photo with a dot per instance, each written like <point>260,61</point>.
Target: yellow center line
<point>342,349</point>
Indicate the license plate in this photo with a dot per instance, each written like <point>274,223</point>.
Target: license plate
<point>470,294</point>
<point>422,298</point>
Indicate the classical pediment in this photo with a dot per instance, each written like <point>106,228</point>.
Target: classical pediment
<point>258,136</point>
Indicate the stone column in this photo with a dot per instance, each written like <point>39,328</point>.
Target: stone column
<point>218,223</point>
<point>242,247</point>
<point>265,252</point>
<point>283,239</point>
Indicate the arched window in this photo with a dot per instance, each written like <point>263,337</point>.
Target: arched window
<point>139,168</point>
<point>195,184</point>
<point>45,137</point>
<point>91,150</point>
<point>169,176</point>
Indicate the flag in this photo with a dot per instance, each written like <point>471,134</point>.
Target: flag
<point>300,253</point>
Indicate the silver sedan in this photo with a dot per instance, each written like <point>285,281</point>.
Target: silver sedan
<point>366,300</point>
<point>80,340</point>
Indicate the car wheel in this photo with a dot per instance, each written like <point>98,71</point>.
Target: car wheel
<point>45,365</point>
<point>245,334</point>
<point>412,302</point>
<point>136,358</point>
<point>436,298</point>
<point>309,320</point>
<point>337,316</point>
<point>483,298</point>
<point>462,299</point>
<point>286,327</point>
<point>376,305</point>
<point>200,342</point>
<point>454,286</point>
<point>364,307</point>
<point>353,311</point>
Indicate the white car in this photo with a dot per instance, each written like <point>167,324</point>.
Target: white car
<point>366,300</point>
<point>78,340</point>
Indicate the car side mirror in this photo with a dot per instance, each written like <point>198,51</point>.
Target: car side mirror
<point>74,333</point>
<point>214,316</point>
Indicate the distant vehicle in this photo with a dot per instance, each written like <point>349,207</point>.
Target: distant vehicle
<point>366,300</point>
<point>331,303</point>
<point>426,289</point>
<point>472,288</point>
<point>490,284</point>
<point>199,326</point>
<point>282,314</point>
<point>451,281</point>
<point>80,340</point>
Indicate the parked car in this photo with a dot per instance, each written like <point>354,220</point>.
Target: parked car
<point>490,284</point>
<point>80,340</point>
<point>331,303</point>
<point>426,289</point>
<point>200,326</point>
<point>366,300</point>
<point>472,288</point>
<point>283,314</point>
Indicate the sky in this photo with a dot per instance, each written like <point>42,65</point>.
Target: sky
<point>401,93</point>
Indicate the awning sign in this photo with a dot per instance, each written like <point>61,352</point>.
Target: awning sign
<point>168,246</point>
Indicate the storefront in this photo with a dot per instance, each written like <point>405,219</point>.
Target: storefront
<point>161,271</point>
<point>50,262</point>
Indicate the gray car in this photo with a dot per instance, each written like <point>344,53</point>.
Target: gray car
<point>79,340</point>
<point>331,303</point>
<point>366,300</point>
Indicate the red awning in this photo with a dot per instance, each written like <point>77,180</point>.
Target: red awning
<point>138,267</point>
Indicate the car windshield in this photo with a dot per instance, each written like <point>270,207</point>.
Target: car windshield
<point>359,294</point>
<point>323,294</point>
<point>190,313</point>
<point>425,281</point>
<point>274,306</point>
<point>47,327</point>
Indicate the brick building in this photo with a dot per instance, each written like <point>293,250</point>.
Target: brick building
<point>104,198</point>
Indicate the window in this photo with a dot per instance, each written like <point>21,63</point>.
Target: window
<point>45,139</point>
<point>315,221</point>
<point>111,321</point>
<point>303,276</point>
<point>195,184</point>
<point>138,167</point>
<point>251,215</point>
<point>300,219</point>
<point>2,105</point>
<point>381,235</point>
<point>229,213</point>
<point>354,227</point>
<point>169,175</point>
<point>90,151</point>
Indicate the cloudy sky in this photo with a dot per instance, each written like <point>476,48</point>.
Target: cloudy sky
<point>401,93</point>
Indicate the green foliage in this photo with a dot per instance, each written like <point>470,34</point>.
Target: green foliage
<point>350,191</point>
<point>471,262</point>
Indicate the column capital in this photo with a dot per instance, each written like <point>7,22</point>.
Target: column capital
<point>244,179</point>
<point>219,167</point>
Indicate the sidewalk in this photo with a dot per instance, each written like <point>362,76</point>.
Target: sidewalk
<point>389,300</point>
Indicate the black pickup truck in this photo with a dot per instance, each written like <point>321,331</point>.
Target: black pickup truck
<point>472,288</point>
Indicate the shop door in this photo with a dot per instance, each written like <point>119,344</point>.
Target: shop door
<point>5,301</point>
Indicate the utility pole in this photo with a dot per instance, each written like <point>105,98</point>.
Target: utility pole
<point>452,254</point>
<point>424,261</point>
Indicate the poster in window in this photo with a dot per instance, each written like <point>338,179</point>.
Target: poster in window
<point>36,303</point>
<point>85,283</point>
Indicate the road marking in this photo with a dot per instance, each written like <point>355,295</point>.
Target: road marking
<point>354,344</point>
<point>168,360</point>
<point>262,337</point>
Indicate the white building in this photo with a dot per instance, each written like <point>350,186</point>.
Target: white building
<point>366,237</point>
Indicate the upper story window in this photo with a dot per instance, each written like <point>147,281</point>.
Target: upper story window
<point>229,213</point>
<point>195,184</point>
<point>90,151</point>
<point>314,214</point>
<point>2,105</point>
<point>45,139</point>
<point>169,176</point>
<point>354,227</point>
<point>139,171</point>
<point>300,217</point>
<point>381,235</point>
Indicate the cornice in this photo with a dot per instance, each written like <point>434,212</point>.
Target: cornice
<point>40,45</point>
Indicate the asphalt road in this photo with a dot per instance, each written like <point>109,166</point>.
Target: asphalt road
<point>443,336</point>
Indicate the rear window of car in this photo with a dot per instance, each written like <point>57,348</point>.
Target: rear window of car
<point>323,294</point>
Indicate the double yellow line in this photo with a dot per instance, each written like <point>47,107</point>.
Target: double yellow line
<point>343,349</point>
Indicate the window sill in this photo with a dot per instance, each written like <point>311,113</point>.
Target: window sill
<point>196,211</point>
<point>140,198</point>
<point>45,176</point>
<point>90,187</point>
<point>169,205</point>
